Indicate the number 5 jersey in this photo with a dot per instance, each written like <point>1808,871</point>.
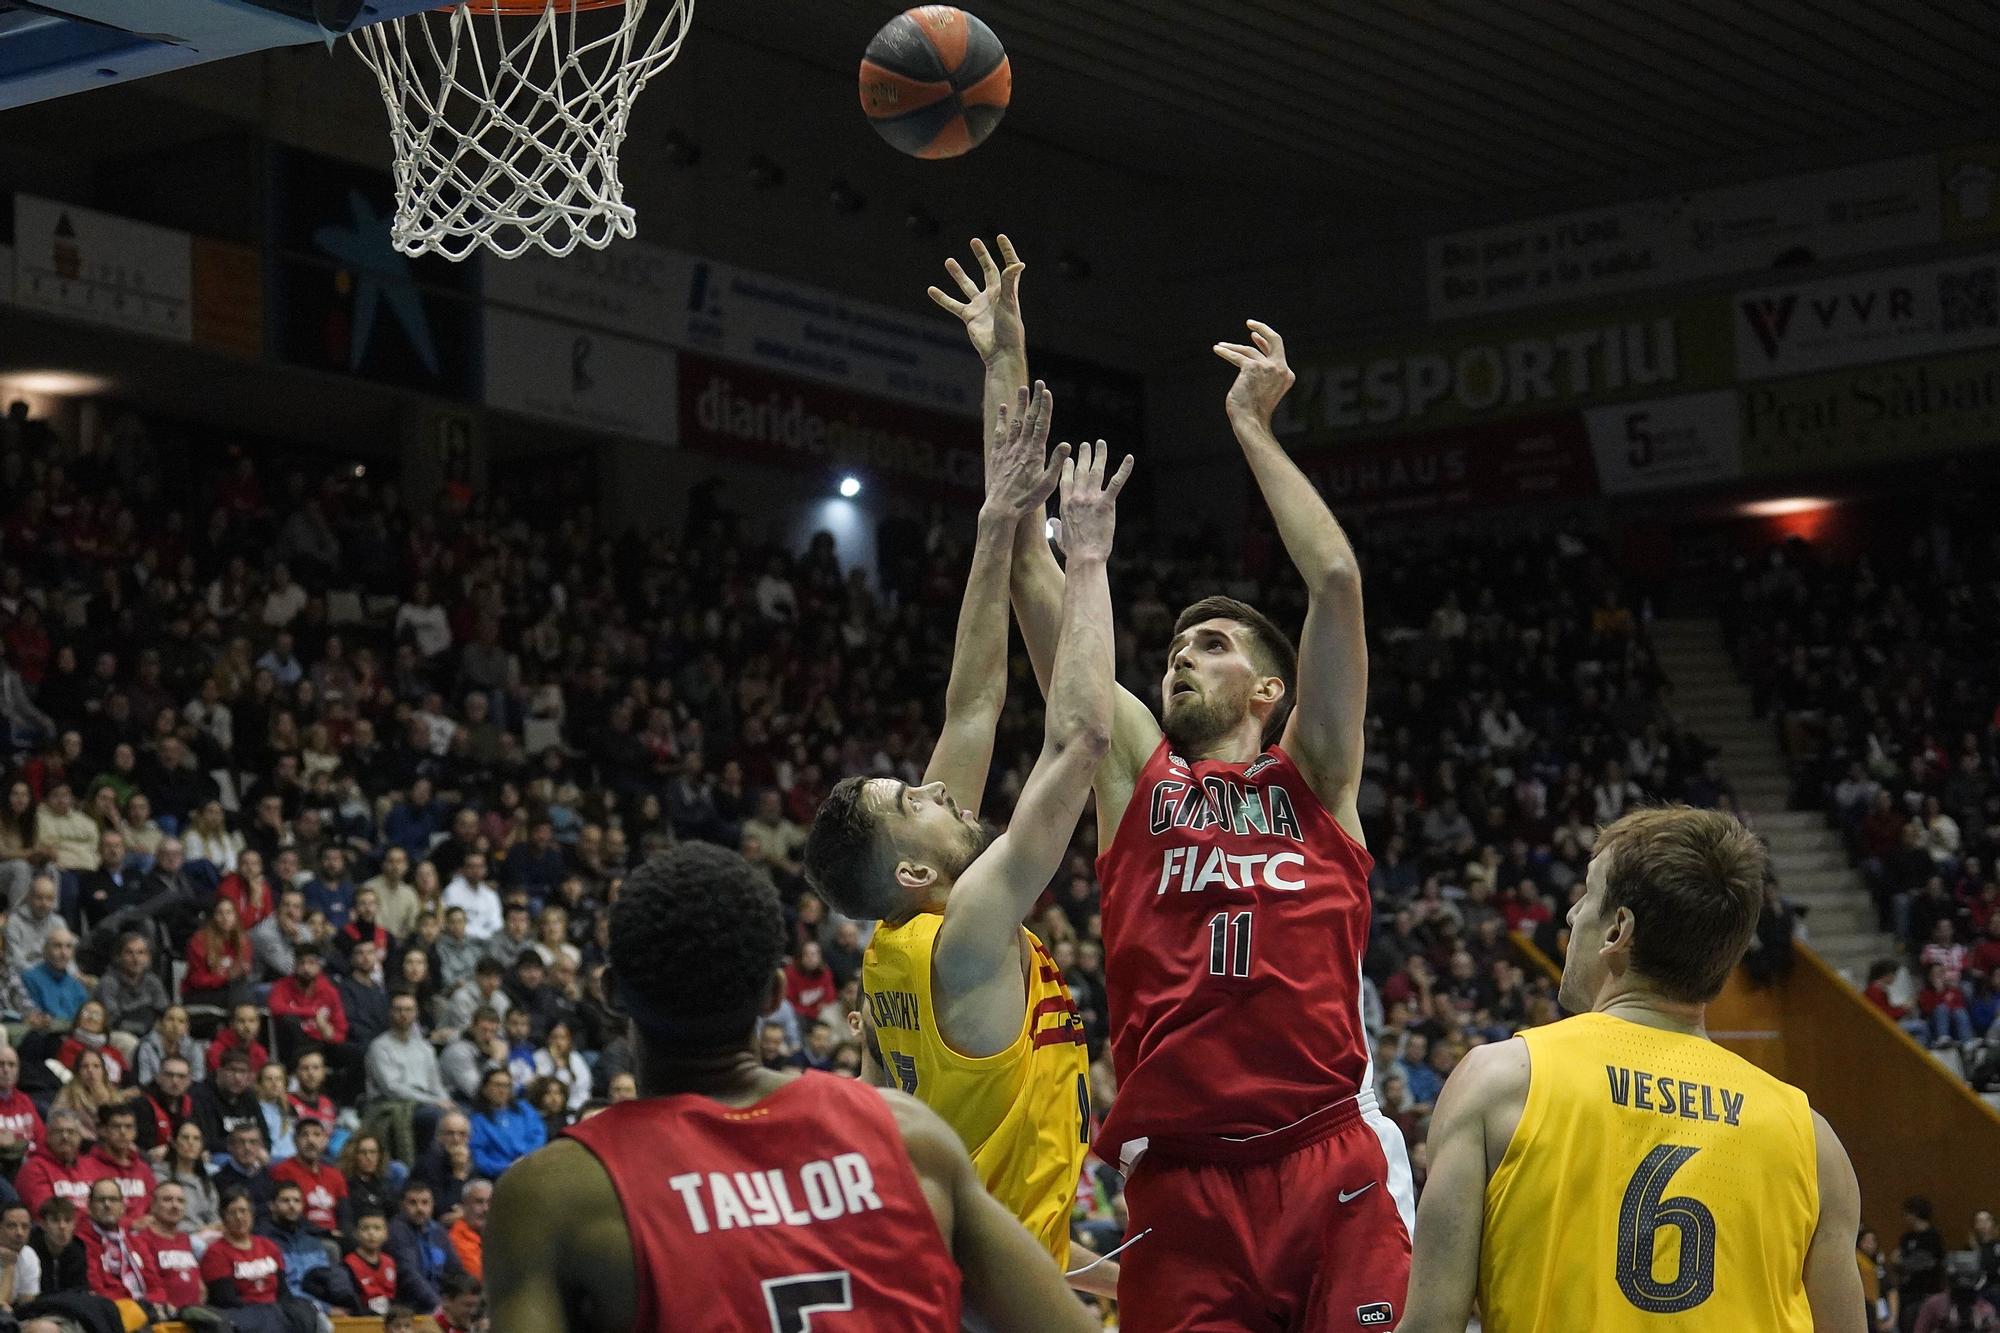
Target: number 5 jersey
<point>1024,1113</point>
<point>802,1206</point>
<point>1235,916</point>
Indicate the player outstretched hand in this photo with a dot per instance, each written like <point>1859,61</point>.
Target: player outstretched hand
<point>990,312</point>
<point>1089,502</point>
<point>1017,477</point>
<point>1262,377</point>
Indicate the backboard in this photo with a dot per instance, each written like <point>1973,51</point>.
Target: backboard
<point>53,48</point>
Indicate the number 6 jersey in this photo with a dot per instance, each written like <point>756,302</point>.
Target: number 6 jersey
<point>1235,916</point>
<point>1655,1181</point>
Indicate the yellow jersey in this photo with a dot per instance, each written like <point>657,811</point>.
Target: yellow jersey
<point>1656,1181</point>
<point>1024,1114</point>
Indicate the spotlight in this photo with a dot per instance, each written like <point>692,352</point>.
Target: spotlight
<point>55,383</point>
<point>845,198</point>
<point>681,150</point>
<point>849,487</point>
<point>764,173</point>
<point>1781,508</point>
<point>920,223</point>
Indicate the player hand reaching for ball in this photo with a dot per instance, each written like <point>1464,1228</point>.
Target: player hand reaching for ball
<point>1020,475</point>
<point>1262,376</point>
<point>1089,502</point>
<point>991,312</point>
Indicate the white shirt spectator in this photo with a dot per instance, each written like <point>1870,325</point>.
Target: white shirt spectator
<point>282,605</point>
<point>483,913</point>
<point>429,624</point>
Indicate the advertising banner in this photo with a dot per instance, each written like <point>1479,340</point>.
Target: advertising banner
<point>1666,443</point>
<point>1658,242</point>
<point>101,269</point>
<point>585,378</point>
<point>1885,315</point>
<point>228,297</point>
<point>747,412</point>
<point>916,355</point>
<point>1535,458</point>
<point>1872,414</point>
<point>1970,179</point>
<point>1442,378</point>
<point>343,299</point>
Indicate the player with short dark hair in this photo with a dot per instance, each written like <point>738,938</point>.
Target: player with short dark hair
<point>1263,1183</point>
<point>963,1007</point>
<point>788,1193</point>
<point>1695,1190</point>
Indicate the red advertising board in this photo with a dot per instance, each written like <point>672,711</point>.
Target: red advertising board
<point>753,414</point>
<point>1505,462</point>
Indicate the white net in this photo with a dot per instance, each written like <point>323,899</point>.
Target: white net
<point>506,126</point>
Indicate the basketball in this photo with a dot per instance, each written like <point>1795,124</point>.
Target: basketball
<point>935,81</point>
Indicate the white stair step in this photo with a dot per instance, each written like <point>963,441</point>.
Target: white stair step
<point>1791,820</point>
<point>1868,945</point>
<point>1797,862</point>
<point>1823,881</point>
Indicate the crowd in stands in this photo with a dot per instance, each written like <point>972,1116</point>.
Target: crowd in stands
<point>315,805</point>
<point>1878,673</point>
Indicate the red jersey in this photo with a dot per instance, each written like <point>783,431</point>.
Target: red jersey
<point>174,1271</point>
<point>1235,917</point>
<point>115,1263</point>
<point>134,1176</point>
<point>325,1189</point>
<point>258,1268</point>
<point>803,1205</point>
<point>19,1117</point>
<point>42,1176</point>
<point>375,1282</point>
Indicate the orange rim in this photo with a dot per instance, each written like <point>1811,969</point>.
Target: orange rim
<point>532,8</point>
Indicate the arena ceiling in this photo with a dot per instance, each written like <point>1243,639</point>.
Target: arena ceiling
<point>1340,103</point>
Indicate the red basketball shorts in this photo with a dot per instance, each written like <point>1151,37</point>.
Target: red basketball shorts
<point>1313,1241</point>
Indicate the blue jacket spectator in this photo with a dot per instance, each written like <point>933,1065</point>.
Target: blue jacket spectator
<point>414,822</point>
<point>421,1247</point>
<point>330,891</point>
<point>53,988</point>
<point>310,1272</point>
<point>503,1130</point>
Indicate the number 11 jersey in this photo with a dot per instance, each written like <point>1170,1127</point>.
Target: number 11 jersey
<point>1235,913</point>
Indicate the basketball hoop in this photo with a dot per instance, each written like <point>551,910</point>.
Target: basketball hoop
<point>507,115</point>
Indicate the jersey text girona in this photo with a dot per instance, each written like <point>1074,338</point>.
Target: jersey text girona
<point>802,1211</point>
<point>1235,916</point>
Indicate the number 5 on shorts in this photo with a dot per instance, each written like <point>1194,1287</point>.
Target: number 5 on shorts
<point>793,1301</point>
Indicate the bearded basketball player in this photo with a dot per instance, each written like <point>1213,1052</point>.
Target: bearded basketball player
<point>1271,1193</point>
<point>965,1010</point>
<point>1691,1190</point>
<point>731,1198</point>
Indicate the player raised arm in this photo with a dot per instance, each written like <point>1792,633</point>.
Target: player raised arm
<point>1488,1088</point>
<point>1833,1283</point>
<point>1017,482</point>
<point>1010,1281</point>
<point>1327,726</point>
<point>978,951</point>
<point>991,313</point>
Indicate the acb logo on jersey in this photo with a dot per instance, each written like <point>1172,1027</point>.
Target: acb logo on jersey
<point>1377,1315</point>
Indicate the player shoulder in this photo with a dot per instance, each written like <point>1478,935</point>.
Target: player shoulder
<point>558,1181</point>
<point>1493,1073</point>
<point>923,1130</point>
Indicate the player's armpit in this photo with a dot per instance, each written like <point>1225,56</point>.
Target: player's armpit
<point>1832,1281</point>
<point>1444,1262</point>
<point>558,1259</point>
